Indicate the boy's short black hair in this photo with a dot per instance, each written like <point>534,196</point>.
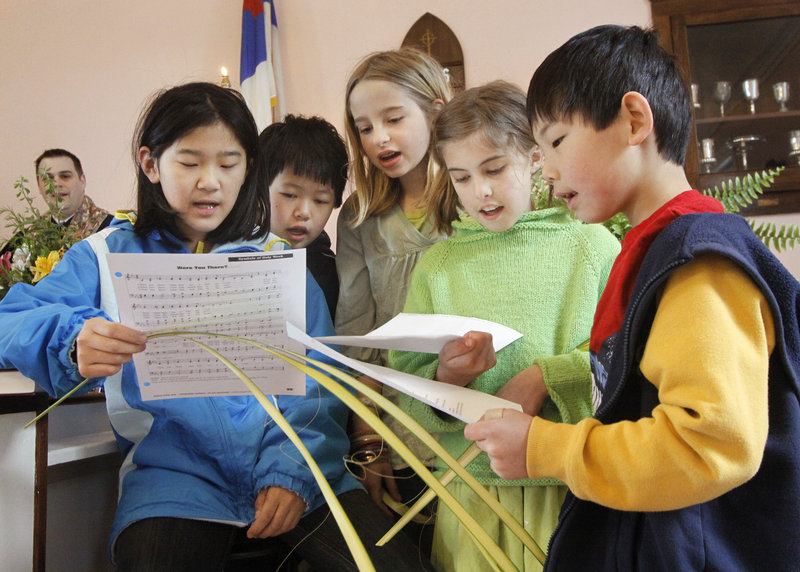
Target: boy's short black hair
<point>585,79</point>
<point>309,146</point>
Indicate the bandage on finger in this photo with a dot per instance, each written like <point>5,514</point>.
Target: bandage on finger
<point>493,414</point>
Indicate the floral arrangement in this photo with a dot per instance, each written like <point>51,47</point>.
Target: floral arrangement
<point>37,241</point>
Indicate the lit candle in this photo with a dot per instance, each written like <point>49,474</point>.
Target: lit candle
<point>226,81</point>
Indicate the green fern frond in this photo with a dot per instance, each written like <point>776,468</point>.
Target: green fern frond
<point>780,237</point>
<point>541,192</point>
<point>737,193</point>
<point>734,194</point>
<point>619,225</point>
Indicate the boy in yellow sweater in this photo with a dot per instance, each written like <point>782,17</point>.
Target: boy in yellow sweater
<point>692,460</point>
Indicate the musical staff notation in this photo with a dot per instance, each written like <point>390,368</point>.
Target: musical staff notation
<point>247,297</point>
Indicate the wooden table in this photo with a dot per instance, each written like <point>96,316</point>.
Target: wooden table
<point>74,432</point>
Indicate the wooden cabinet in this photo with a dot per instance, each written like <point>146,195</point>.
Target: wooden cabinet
<point>746,44</point>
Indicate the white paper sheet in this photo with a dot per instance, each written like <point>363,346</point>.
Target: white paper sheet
<point>249,295</point>
<point>425,333</point>
<point>465,404</point>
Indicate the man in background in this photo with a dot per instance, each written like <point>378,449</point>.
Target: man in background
<point>69,203</point>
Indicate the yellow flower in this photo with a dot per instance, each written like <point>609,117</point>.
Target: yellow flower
<point>44,265</point>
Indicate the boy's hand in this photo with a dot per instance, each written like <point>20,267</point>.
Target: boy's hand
<point>379,476</point>
<point>104,347</point>
<point>464,359</point>
<point>526,388</point>
<point>505,440</point>
<point>278,510</point>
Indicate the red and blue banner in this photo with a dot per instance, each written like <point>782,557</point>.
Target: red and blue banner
<point>260,65</point>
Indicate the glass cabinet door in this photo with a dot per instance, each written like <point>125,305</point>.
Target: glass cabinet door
<point>746,94</point>
<point>742,59</point>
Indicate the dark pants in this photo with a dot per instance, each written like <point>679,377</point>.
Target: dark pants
<point>411,487</point>
<point>175,544</point>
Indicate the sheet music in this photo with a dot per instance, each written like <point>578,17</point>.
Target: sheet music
<point>249,295</point>
<point>425,333</point>
<point>462,403</point>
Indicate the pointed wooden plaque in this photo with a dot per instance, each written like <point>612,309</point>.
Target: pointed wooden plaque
<point>432,36</point>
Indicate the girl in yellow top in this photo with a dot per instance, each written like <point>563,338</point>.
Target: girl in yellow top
<point>383,229</point>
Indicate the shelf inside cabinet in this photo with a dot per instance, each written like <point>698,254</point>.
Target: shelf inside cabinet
<point>782,196</point>
<point>772,145</point>
<point>758,120</point>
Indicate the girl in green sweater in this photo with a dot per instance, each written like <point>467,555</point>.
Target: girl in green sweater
<point>540,272</point>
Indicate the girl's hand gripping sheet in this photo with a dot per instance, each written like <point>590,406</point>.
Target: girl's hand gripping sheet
<point>464,359</point>
<point>104,347</point>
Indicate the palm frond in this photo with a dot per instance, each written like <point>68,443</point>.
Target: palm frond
<point>495,557</point>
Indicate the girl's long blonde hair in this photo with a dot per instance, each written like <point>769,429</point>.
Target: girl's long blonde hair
<point>496,111</point>
<point>425,81</point>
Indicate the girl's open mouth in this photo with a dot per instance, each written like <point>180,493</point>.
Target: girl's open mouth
<point>206,207</point>
<point>389,158</point>
<point>491,212</point>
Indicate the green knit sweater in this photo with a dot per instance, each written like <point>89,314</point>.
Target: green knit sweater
<point>542,277</point>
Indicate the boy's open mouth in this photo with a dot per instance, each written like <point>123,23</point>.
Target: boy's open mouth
<point>297,231</point>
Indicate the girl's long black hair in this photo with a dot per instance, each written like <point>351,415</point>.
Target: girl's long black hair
<point>170,115</point>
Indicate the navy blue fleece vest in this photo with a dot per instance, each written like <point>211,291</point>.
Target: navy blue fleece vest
<point>753,527</point>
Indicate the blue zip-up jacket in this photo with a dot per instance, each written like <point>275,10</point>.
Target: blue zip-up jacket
<point>202,457</point>
<point>755,526</point>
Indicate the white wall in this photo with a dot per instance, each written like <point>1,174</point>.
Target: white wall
<point>77,73</point>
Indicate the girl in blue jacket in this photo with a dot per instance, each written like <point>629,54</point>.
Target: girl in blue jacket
<point>197,473</point>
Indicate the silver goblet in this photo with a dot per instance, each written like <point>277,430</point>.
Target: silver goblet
<point>750,90</point>
<point>696,96</point>
<point>707,151</point>
<point>781,92</point>
<point>794,140</point>
<point>722,93</point>
<point>794,145</point>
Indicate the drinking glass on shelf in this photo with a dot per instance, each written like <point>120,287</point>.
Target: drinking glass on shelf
<point>722,93</point>
<point>781,92</point>
<point>750,90</point>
